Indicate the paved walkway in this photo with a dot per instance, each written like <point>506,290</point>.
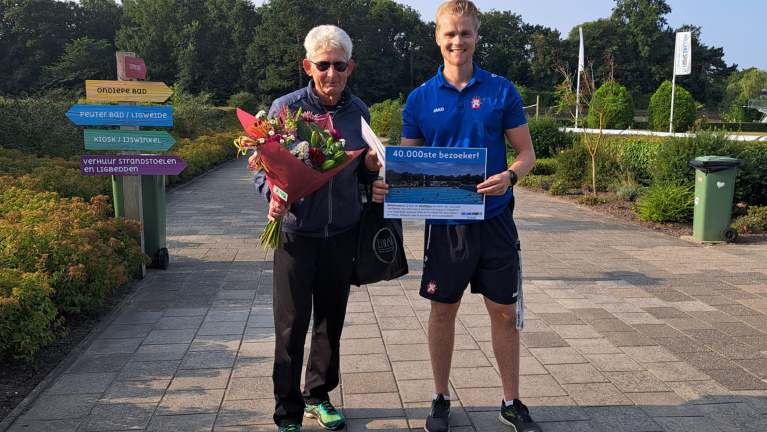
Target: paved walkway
<point>626,330</point>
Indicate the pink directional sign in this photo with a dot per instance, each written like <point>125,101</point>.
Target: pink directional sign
<point>131,165</point>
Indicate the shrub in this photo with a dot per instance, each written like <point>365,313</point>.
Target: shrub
<point>560,187</point>
<point>574,166</point>
<point>83,255</point>
<point>615,104</point>
<point>383,114</point>
<point>544,166</point>
<point>543,182</point>
<point>667,202</point>
<point>590,200</point>
<point>635,156</point>
<point>754,221</point>
<point>628,191</point>
<point>193,115</point>
<point>245,101</point>
<point>28,318</point>
<point>40,127</point>
<point>548,140</point>
<point>659,111</point>
<point>395,127</point>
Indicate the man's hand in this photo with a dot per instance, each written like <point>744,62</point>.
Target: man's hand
<point>277,210</point>
<point>495,185</point>
<point>371,161</point>
<point>380,189</point>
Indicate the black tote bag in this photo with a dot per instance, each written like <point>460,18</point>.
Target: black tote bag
<point>380,253</point>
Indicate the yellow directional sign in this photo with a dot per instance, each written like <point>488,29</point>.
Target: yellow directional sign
<point>127,91</point>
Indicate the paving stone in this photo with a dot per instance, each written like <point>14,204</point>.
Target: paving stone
<point>613,362</point>
<point>539,386</point>
<point>687,424</point>
<point>474,377</point>
<point>365,363</point>
<point>389,424</point>
<point>216,343</point>
<point>736,379</point>
<point>413,370</point>
<point>249,413</point>
<point>126,331</point>
<point>114,346</point>
<point>368,382</point>
<point>257,349</point>
<point>675,371</point>
<point>246,366</point>
<point>734,417</point>
<point>469,358</point>
<point>208,360</point>
<point>663,404</point>
<point>593,346</point>
<point>138,318</point>
<point>249,388</point>
<point>55,407</point>
<point>369,346</point>
<point>182,312</point>
<point>200,379</point>
<point>68,384</point>
<point>651,354</point>
<point>258,334</point>
<point>186,423</point>
<point>623,418</point>
<point>361,332</point>
<point>150,353</point>
<point>480,399</point>
<point>548,339</point>
<point>636,381</point>
<point>178,323</point>
<point>626,339</point>
<point>87,363</point>
<point>164,337</point>
<point>136,392</point>
<point>118,417</point>
<point>404,337</point>
<point>563,355</point>
<point>190,402</point>
<point>24,425</point>
<point>372,406</point>
<point>149,370</point>
<point>417,413</point>
<point>576,373</point>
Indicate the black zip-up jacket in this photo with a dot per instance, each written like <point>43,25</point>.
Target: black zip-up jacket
<point>337,205</point>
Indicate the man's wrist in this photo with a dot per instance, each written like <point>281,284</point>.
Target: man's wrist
<point>512,178</point>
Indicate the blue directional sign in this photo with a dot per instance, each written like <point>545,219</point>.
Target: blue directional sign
<point>119,115</point>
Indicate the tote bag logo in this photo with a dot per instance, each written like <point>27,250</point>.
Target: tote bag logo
<point>385,246</point>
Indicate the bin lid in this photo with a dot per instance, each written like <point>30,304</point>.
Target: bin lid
<point>709,164</point>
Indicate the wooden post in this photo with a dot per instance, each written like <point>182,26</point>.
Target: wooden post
<point>132,199</point>
<point>537,104</point>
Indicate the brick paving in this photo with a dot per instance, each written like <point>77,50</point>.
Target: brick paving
<point>625,330</point>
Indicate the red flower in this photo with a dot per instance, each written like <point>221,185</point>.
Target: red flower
<point>274,138</point>
<point>316,156</point>
<point>335,134</point>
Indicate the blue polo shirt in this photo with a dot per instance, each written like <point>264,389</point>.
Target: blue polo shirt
<point>477,116</point>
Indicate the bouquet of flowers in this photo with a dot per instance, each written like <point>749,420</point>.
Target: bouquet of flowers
<point>298,152</point>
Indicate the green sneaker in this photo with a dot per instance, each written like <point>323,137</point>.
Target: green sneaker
<point>326,415</point>
<point>291,428</point>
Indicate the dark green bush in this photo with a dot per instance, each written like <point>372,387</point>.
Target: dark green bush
<point>28,318</point>
<point>615,105</point>
<point>659,111</point>
<point>574,166</point>
<point>754,221</point>
<point>667,202</point>
<point>548,140</point>
<point>383,114</point>
<point>193,115</point>
<point>674,154</point>
<point>736,127</point>
<point>544,166</point>
<point>245,101</point>
<point>395,126</point>
<point>635,155</point>
<point>40,127</point>
<point>543,182</point>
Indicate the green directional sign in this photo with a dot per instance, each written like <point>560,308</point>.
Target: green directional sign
<point>127,140</point>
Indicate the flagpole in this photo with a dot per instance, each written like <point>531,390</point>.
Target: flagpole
<point>580,69</point>
<point>673,90</point>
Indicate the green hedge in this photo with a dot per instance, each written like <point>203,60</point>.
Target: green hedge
<point>548,140</point>
<point>736,127</point>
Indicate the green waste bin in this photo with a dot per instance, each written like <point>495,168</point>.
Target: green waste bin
<point>714,190</point>
<point>153,204</point>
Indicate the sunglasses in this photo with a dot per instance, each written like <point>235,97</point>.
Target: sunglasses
<point>325,65</point>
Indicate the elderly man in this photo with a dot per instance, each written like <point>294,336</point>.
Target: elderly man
<point>313,268</point>
<point>465,106</point>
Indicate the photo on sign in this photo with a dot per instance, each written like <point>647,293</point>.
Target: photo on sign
<point>443,183</point>
<point>434,183</point>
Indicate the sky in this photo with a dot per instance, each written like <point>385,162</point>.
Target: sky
<point>738,26</point>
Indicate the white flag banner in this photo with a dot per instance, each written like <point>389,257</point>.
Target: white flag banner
<point>580,52</point>
<point>683,53</point>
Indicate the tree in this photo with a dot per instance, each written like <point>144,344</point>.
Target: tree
<point>741,86</point>
<point>708,80</point>
<point>83,59</point>
<point>659,111</point>
<point>612,107</point>
<point>503,46</point>
<point>33,35</point>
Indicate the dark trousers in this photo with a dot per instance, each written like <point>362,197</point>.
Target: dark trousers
<point>309,273</point>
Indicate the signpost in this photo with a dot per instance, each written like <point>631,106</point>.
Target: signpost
<point>135,68</point>
<point>127,140</point>
<point>131,165</point>
<point>127,91</point>
<point>121,115</point>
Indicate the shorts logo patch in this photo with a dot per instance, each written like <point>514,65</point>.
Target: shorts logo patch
<point>431,287</point>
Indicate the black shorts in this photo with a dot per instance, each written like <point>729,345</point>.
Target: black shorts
<point>483,254</point>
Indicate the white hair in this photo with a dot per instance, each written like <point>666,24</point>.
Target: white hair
<point>325,38</point>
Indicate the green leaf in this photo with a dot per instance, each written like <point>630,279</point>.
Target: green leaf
<point>304,131</point>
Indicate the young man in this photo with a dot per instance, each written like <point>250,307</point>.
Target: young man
<point>313,268</point>
<point>465,106</point>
